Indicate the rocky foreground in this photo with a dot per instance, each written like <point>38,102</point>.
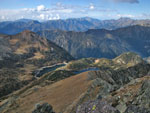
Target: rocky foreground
<point>108,90</point>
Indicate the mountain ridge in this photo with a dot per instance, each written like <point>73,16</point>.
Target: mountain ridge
<point>23,53</point>
<point>72,24</point>
<point>102,43</point>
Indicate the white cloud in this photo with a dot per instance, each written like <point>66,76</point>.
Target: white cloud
<point>41,8</point>
<point>48,17</point>
<point>3,17</point>
<point>28,9</point>
<point>57,16</point>
<point>61,11</point>
<point>125,15</point>
<point>22,17</point>
<point>143,16</point>
<point>92,6</point>
<point>42,16</point>
<point>126,1</point>
<point>39,13</point>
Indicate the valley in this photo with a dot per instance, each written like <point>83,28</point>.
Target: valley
<point>65,90</point>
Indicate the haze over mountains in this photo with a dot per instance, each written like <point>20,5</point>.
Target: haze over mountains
<point>74,24</point>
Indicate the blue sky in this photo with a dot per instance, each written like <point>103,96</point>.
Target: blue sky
<point>62,9</point>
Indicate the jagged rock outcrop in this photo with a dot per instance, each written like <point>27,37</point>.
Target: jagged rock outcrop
<point>44,108</point>
<point>121,76</point>
<point>97,106</point>
<point>143,97</point>
<point>135,109</point>
<point>131,98</point>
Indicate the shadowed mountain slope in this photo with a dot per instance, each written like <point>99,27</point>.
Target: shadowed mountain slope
<point>102,43</point>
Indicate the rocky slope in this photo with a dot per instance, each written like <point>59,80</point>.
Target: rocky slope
<point>23,53</point>
<point>44,108</point>
<point>114,90</point>
<point>74,24</point>
<point>102,43</point>
<point>132,98</point>
<point>96,106</point>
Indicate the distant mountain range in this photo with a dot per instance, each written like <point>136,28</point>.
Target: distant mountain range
<point>101,42</point>
<point>75,24</point>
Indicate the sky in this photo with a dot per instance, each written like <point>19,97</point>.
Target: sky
<point>43,10</point>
